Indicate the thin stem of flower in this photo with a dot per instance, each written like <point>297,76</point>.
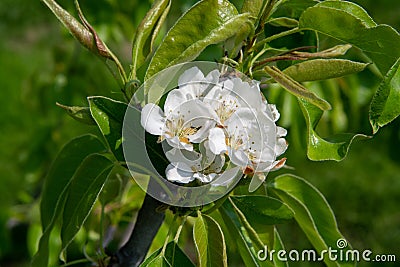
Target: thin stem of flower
<point>276,36</point>
<point>168,235</point>
<point>178,232</point>
<point>253,60</point>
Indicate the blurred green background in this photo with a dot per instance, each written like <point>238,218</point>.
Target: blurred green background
<point>41,64</point>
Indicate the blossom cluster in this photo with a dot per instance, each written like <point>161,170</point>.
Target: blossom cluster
<point>214,122</point>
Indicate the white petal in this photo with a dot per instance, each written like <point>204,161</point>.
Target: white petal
<point>176,173</point>
<point>267,155</point>
<point>217,164</point>
<point>174,142</point>
<point>227,177</point>
<point>248,95</point>
<point>202,132</point>
<point>213,76</point>
<point>217,141</point>
<point>191,75</point>
<point>174,99</point>
<point>239,158</point>
<point>281,146</point>
<point>204,178</point>
<point>274,112</point>
<point>191,159</point>
<point>281,132</point>
<point>211,162</point>
<point>152,119</point>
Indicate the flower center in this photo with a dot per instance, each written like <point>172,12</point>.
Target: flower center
<point>226,109</point>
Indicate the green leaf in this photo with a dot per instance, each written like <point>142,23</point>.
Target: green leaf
<point>350,23</point>
<point>109,116</point>
<point>210,242</point>
<point>292,8</point>
<point>233,44</point>
<point>81,114</point>
<point>385,105</point>
<point>86,185</point>
<point>247,248</point>
<point>113,186</point>
<point>252,7</point>
<point>322,69</point>
<point>263,209</point>
<point>312,213</point>
<point>332,148</point>
<point>147,31</point>
<point>208,22</point>
<point>278,245</point>
<point>283,22</point>
<point>296,88</point>
<point>56,186</point>
<point>173,256</point>
<point>351,8</point>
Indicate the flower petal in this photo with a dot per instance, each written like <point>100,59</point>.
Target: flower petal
<point>175,172</point>
<point>175,142</point>
<point>239,157</point>
<point>193,74</point>
<point>152,119</point>
<point>217,141</point>
<point>227,177</point>
<point>248,95</point>
<point>281,146</point>
<point>191,159</point>
<point>204,178</point>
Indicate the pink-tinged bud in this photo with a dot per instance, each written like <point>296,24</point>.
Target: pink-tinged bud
<point>85,33</point>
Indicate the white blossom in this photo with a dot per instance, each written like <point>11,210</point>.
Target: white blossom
<point>225,117</point>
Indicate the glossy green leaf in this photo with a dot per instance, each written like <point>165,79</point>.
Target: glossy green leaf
<point>173,256</point>
<point>260,234</point>
<point>248,249</point>
<point>263,209</point>
<point>296,88</point>
<point>322,69</point>
<point>81,114</point>
<point>312,213</point>
<point>385,105</point>
<point>113,186</point>
<point>332,148</point>
<point>109,116</point>
<point>252,7</point>
<point>278,245</point>
<point>351,8</point>
<point>293,8</point>
<point>283,22</point>
<point>211,22</point>
<point>210,242</point>
<point>233,44</point>
<point>86,184</point>
<point>146,32</point>
<point>56,186</point>
<point>350,23</point>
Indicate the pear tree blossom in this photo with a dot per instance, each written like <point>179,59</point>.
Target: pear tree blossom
<point>223,117</point>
